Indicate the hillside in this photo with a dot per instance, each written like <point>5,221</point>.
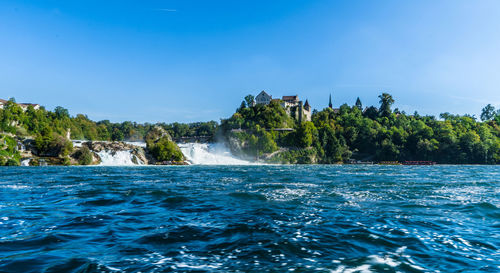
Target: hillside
<point>354,133</point>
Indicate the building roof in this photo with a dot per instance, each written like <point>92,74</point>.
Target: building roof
<point>306,105</point>
<point>291,98</point>
<point>3,101</point>
<point>264,93</point>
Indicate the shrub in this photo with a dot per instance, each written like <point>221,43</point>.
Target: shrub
<point>165,150</point>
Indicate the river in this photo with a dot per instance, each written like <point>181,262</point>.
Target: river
<point>251,218</point>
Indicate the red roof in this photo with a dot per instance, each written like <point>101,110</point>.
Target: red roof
<point>291,98</point>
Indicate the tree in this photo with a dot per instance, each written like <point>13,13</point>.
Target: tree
<point>84,156</point>
<point>371,112</point>
<point>386,102</point>
<point>243,105</point>
<point>305,134</point>
<point>358,104</point>
<point>488,113</point>
<point>249,99</point>
<point>61,112</point>
<point>165,150</point>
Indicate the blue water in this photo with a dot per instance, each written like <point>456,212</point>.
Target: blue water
<point>250,219</point>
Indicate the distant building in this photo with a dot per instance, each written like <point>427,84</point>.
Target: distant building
<point>23,106</point>
<point>330,105</point>
<point>263,98</point>
<point>290,101</point>
<point>307,111</point>
<point>292,105</point>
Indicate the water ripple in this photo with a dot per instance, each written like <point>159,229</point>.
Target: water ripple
<point>250,218</point>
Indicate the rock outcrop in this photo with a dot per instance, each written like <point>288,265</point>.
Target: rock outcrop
<point>139,153</point>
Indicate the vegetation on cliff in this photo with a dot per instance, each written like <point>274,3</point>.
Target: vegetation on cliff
<point>13,119</point>
<point>370,134</point>
<point>161,147</point>
<point>9,156</point>
<point>50,129</point>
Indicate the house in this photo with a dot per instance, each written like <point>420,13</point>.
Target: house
<point>290,101</point>
<point>294,108</point>
<point>263,98</point>
<point>292,105</point>
<point>23,106</point>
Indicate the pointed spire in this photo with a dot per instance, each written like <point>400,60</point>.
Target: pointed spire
<point>358,104</point>
<point>307,106</point>
<point>330,102</point>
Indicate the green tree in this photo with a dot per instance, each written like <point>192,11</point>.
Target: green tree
<point>84,156</point>
<point>243,105</point>
<point>305,134</point>
<point>61,112</point>
<point>488,113</point>
<point>165,150</point>
<point>249,99</point>
<point>386,102</point>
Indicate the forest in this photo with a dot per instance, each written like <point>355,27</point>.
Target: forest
<point>366,134</point>
<point>50,128</point>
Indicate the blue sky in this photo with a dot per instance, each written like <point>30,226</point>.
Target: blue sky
<point>184,61</point>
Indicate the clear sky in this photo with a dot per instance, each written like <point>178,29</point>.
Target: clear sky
<point>184,61</point>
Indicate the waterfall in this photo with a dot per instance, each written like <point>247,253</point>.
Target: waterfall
<point>118,158</point>
<point>26,162</point>
<point>210,154</point>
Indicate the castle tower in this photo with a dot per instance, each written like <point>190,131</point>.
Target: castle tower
<point>301,111</point>
<point>330,102</point>
<point>307,106</point>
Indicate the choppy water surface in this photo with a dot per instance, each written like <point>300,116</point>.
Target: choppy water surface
<point>250,218</point>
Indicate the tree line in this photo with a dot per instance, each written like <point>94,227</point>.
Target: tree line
<point>367,134</point>
<point>50,128</point>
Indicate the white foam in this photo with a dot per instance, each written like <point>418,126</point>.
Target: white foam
<point>136,143</point>
<point>210,154</point>
<point>26,162</point>
<point>118,158</point>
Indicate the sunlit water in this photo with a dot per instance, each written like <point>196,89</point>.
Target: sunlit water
<point>250,218</point>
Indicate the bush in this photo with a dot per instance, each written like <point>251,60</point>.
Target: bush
<point>84,156</point>
<point>12,162</point>
<point>165,150</point>
<point>53,144</point>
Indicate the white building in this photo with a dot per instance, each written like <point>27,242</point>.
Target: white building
<point>292,105</point>
<point>263,98</point>
<point>23,106</point>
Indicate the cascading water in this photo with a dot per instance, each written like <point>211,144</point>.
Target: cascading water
<point>26,162</point>
<point>118,158</point>
<point>210,154</point>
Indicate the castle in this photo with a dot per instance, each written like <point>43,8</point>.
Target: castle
<point>292,105</point>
